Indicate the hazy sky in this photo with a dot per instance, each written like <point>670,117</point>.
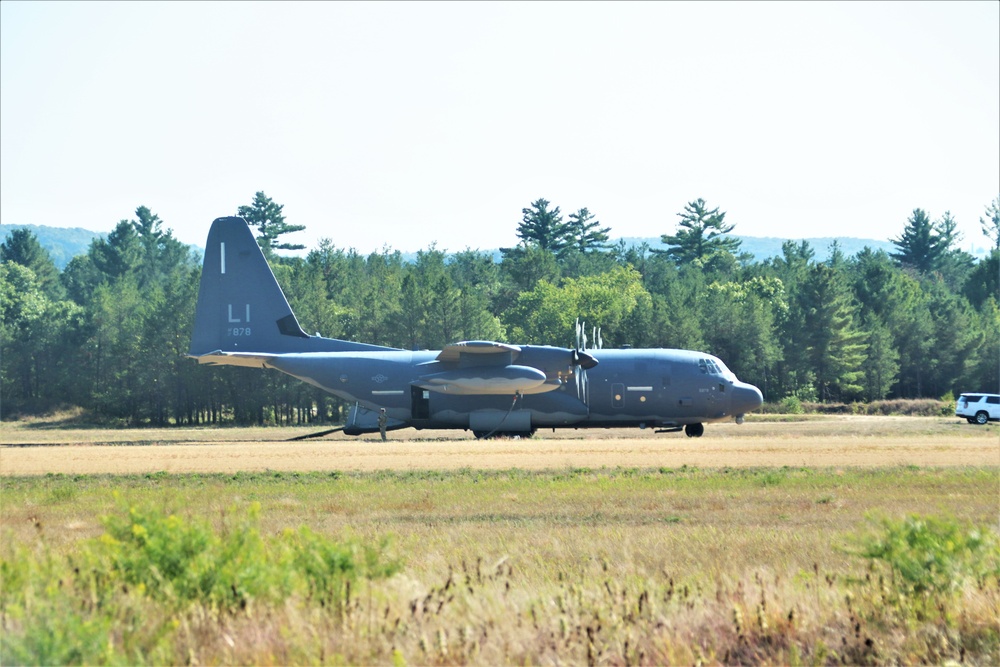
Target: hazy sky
<point>384,124</point>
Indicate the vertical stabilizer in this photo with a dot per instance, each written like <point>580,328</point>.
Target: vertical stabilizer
<point>241,308</point>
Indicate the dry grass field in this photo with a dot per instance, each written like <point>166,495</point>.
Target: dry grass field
<point>818,441</point>
<point>610,547</point>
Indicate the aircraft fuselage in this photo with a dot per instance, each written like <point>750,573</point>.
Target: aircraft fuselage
<point>655,388</point>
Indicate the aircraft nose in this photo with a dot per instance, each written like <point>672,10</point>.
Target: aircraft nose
<point>746,398</point>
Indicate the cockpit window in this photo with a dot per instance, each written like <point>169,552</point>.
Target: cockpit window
<point>709,366</point>
<point>712,366</point>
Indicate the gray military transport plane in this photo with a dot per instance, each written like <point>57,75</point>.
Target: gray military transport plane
<point>243,319</point>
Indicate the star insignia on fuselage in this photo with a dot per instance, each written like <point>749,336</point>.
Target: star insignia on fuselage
<point>379,379</point>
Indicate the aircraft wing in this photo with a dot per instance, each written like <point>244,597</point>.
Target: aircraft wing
<point>481,367</point>
<point>453,353</point>
<point>245,359</point>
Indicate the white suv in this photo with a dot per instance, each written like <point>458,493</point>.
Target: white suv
<point>978,408</point>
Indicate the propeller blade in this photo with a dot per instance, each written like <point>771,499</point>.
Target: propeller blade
<point>582,360</point>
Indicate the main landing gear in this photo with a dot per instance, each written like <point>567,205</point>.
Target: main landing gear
<point>694,430</point>
<point>491,435</point>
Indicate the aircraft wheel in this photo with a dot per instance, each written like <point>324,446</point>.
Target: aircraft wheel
<point>488,435</point>
<point>694,430</point>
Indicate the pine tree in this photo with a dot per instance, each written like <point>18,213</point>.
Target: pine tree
<point>22,247</point>
<point>833,345</point>
<point>882,364</point>
<point>983,281</point>
<point>701,234</point>
<point>120,254</point>
<point>586,233</point>
<point>991,223</point>
<point>544,228</point>
<point>161,252</point>
<point>926,246</point>
<point>267,217</point>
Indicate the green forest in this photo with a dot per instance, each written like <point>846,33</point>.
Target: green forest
<point>109,333</point>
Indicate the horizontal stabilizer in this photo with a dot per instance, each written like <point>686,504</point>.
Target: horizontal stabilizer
<point>245,359</point>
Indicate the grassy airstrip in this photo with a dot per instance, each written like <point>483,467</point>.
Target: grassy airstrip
<point>679,563</point>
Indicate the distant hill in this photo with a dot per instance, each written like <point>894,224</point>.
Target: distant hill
<point>761,247</point>
<point>62,243</point>
<point>764,247</point>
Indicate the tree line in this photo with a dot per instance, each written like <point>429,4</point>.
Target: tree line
<point>109,332</point>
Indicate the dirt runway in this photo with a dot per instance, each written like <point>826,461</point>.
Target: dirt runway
<point>816,443</point>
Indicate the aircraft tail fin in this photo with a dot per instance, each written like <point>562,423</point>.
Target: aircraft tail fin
<point>241,308</point>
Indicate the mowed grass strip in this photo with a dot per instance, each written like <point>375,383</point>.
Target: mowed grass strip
<point>820,441</point>
<point>52,431</point>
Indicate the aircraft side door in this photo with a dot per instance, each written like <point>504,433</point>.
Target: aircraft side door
<point>617,395</point>
<point>420,403</point>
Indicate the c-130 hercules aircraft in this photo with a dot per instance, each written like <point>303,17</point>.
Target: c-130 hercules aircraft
<point>243,319</point>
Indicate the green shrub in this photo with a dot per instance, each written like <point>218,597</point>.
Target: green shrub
<point>328,569</point>
<point>94,606</point>
<point>791,405</point>
<point>948,404</point>
<point>933,557</point>
<point>772,478</point>
<point>179,560</point>
<point>55,632</point>
<point>185,560</point>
